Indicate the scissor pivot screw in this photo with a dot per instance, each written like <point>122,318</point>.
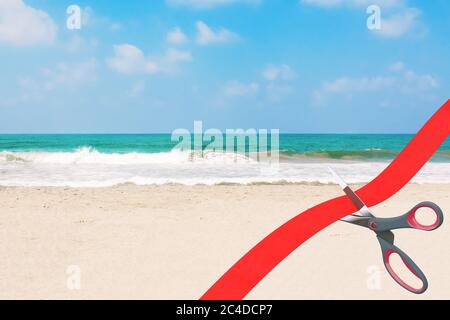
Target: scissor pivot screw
<point>373,225</point>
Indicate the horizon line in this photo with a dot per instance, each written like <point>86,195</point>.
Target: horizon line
<point>168,133</point>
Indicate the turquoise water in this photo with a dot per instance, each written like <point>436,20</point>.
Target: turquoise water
<point>333,146</point>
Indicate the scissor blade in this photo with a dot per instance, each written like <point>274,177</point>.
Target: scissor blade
<point>362,208</point>
<point>358,220</point>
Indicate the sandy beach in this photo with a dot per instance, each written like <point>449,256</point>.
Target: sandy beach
<point>173,242</point>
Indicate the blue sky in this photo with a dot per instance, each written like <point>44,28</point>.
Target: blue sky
<point>154,66</point>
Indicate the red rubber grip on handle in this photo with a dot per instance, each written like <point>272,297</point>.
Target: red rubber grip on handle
<point>397,278</point>
<point>412,221</point>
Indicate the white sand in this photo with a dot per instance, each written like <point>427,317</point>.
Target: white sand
<point>173,242</point>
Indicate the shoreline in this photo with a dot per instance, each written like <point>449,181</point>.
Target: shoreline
<point>220,184</point>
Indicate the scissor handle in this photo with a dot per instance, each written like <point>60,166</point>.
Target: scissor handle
<point>412,221</point>
<point>387,250</point>
<point>408,220</point>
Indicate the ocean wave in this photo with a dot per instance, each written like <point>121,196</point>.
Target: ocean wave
<point>89,155</point>
<point>10,157</point>
<point>367,154</point>
<point>87,167</point>
<point>372,154</point>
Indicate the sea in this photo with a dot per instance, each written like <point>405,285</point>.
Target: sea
<point>101,160</point>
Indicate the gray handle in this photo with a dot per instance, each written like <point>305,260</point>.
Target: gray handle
<point>387,250</point>
<point>408,220</point>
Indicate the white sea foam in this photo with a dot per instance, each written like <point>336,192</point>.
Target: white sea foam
<point>88,155</point>
<point>86,167</point>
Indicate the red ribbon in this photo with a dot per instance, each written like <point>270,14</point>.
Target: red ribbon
<point>243,276</point>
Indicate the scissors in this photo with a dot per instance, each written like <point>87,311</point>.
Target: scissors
<point>383,229</point>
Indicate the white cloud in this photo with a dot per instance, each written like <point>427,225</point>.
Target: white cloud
<point>129,59</point>
<point>206,35</point>
<point>239,89</point>
<point>278,79</point>
<point>209,4</point>
<point>397,18</point>
<point>136,89</point>
<point>67,75</point>
<point>63,76</point>
<point>76,43</point>
<point>399,24</point>
<point>282,72</point>
<point>411,82</point>
<point>353,3</point>
<point>276,92</point>
<point>23,25</point>
<point>276,87</point>
<point>174,55</point>
<point>363,84</point>
<point>397,66</point>
<point>115,26</point>
<point>176,36</point>
<point>400,79</point>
